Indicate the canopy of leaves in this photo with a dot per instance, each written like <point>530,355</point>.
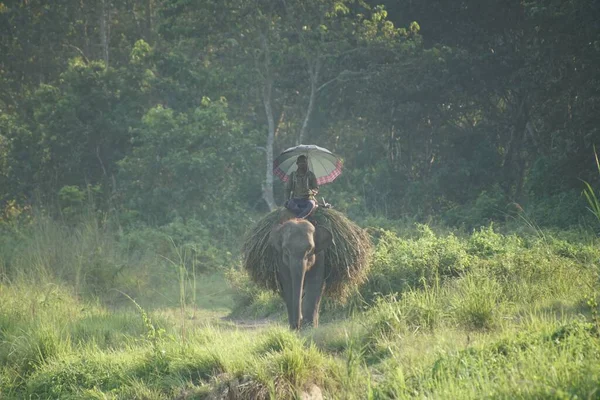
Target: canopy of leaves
<point>448,109</point>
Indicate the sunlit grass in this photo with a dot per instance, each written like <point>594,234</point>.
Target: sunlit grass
<point>484,315</point>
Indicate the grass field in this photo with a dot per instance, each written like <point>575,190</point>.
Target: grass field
<point>444,315</point>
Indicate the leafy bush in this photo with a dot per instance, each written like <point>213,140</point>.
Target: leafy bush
<point>562,210</point>
<point>400,264</point>
<point>186,165</point>
<point>499,368</point>
<point>385,318</point>
<point>424,308</point>
<point>489,206</point>
<point>486,243</point>
<point>189,242</point>
<point>249,298</point>
<point>68,377</point>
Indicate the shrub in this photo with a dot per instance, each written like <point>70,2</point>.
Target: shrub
<point>175,238</point>
<point>30,350</point>
<point>563,210</point>
<point>476,301</point>
<point>277,340</point>
<point>385,318</point>
<point>423,308</point>
<point>249,298</point>
<point>67,377</point>
<point>486,243</point>
<point>401,264</point>
<point>489,206</point>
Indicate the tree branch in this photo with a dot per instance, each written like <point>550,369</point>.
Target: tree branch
<point>85,59</point>
<point>344,74</point>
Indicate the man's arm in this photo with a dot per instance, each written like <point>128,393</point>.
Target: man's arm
<point>312,183</point>
<point>289,186</point>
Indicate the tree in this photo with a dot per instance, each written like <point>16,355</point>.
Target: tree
<point>185,164</point>
<point>284,53</point>
<point>75,131</point>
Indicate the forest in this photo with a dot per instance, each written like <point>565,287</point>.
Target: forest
<point>137,141</point>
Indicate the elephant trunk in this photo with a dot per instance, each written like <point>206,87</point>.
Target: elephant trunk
<point>297,270</point>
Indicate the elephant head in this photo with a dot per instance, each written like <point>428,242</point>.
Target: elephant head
<point>300,248</point>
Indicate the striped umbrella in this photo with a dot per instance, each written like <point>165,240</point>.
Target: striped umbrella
<point>324,164</point>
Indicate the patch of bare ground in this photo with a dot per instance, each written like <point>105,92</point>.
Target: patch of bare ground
<point>250,323</point>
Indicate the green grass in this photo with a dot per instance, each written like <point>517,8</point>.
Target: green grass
<point>444,315</point>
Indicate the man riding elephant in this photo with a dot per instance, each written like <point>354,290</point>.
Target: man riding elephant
<point>301,189</point>
<point>297,257</point>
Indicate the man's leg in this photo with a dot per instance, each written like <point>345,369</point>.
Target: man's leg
<point>292,205</point>
<point>306,208</point>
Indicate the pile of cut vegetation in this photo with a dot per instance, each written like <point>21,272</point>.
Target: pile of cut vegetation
<point>346,260</point>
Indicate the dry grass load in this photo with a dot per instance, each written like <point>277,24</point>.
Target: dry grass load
<point>346,260</point>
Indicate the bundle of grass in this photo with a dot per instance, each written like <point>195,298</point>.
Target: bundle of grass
<point>346,260</point>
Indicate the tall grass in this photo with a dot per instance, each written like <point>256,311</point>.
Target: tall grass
<point>87,255</point>
<point>438,306</point>
<point>444,315</point>
<point>91,255</point>
<point>590,193</point>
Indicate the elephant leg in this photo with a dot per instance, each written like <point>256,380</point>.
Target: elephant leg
<point>314,285</point>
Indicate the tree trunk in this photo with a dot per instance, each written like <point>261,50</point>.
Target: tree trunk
<point>313,72</point>
<point>515,162</point>
<point>86,38</point>
<point>268,186</point>
<point>267,91</point>
<point>105,30</point>
<point>148,20</point>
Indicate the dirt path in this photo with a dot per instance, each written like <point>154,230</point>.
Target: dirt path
<point>252,324</point>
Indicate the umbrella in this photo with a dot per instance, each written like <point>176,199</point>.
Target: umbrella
<point>323,163</point>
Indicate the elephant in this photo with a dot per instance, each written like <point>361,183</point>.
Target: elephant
<point>300,248</point>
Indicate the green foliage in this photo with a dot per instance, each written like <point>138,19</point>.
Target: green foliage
<point>69,377</point>
<point>85,255</point>
<point>400,264</point>
<point>186,166</point>
<point>565,209</point>
<point>460,335</point>
<point>192,239</point>
<point>590,194</point>
<point>489,206</point>
<point>385,318</point>
<point>249,299</point>
<point>477,301</point>
<point>278,340</point>
<point>71,196</point>
<point>486,243</point>
<point>441,111</point>
<point>122,104</point>
<point>95,256</point>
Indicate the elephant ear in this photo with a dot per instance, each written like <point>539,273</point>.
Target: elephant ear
<point>276,238</point>
<point>323,239</point>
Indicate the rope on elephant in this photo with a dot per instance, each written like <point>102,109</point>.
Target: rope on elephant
<point>346,261</point>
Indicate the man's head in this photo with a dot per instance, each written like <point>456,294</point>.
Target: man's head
<point>302,163</point>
